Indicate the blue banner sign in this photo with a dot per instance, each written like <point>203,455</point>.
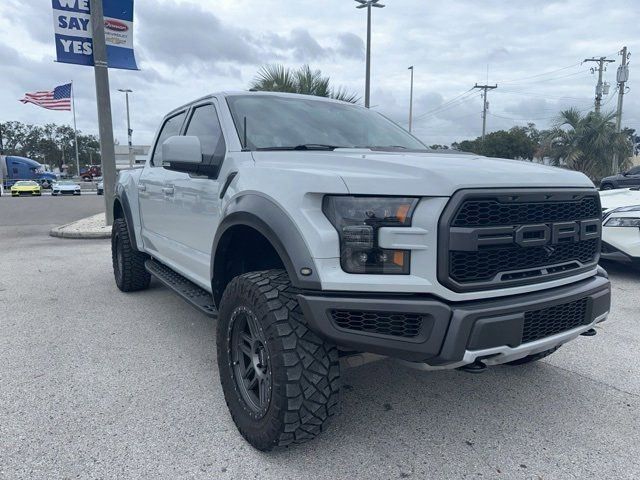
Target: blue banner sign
<point>72,24</point>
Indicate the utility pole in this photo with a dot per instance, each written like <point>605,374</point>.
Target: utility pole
<point>600,68</point>
<point>367,86</point>
<point>485,104</point>
<point>105,121</point>
<point>622,77</point>
<point>411,101</point>
<point>127,91</point>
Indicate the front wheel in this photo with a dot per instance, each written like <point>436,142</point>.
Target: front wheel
<point>607,186</point>
<point>280,380</point>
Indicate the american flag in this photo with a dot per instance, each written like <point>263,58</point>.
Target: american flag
<point>57,99</point>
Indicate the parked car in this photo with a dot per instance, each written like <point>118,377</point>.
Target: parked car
<point>621,225</point>
<point>313,228</point>
<point>630,178</point>
<point>26,188</point>
<point>65,187</point>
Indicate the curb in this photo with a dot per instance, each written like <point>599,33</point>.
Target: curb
<point>60,232</point>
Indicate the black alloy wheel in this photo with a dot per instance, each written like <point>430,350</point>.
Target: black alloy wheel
<point>251,362</point>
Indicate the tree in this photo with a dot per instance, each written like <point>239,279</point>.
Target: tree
<point>304,80</point>
<point>517,143</point>
<point>50,144</point>
<point>587,143</point>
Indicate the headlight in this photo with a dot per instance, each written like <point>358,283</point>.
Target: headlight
<point>357,220</point>
<point>623,222</point>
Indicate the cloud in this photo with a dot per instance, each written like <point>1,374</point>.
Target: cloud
<point>188,48</point>
<point>350,45</point>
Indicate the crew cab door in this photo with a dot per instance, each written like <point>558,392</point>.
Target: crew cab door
<point>155,194</point>
<point>195,209</point>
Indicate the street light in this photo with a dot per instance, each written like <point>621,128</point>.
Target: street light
<point>368,4</point>
<point>411,101</point>
<point>126,91</point>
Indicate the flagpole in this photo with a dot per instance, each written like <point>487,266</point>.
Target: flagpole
<point>75,128</point>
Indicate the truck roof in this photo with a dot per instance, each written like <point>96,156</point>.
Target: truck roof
<point>261,93</point>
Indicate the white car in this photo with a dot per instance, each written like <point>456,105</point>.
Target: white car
<point>621,225</point>
<point>65,187</point>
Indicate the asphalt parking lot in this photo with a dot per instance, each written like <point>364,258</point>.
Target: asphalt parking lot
<point>99,384</point>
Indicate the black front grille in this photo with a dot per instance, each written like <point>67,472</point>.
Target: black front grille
<point>553,320</point>
<point>405,325</point>
<point>484,265</point>
<point>482,245</point>
<point>491,213</point>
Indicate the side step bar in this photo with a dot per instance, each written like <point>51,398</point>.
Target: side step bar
<point>189,291</point>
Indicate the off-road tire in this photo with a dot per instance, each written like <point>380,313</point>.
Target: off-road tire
<point>304,369</point>
<point>128,264</point>
<point>533,358</point>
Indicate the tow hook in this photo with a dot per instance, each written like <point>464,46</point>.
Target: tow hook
<point>475,367</point>
<point>589,333</point>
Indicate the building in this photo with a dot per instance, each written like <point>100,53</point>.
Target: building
<point>140,153</point>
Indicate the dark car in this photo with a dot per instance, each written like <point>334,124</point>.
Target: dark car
<point>630,178</point>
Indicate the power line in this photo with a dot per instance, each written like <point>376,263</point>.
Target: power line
<point>516,80</point>
<point>448,103</point>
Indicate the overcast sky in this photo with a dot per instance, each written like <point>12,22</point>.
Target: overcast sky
<point>186,49</point>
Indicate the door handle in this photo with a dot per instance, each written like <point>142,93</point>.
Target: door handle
<point>167,190</point>
<point>142,187</point>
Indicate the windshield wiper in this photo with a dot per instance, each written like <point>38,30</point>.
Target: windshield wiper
<point>306,146</point>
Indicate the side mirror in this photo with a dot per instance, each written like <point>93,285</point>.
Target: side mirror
<point>181,150</point>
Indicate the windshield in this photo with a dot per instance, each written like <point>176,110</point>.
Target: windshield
<point>65,182</point>
<point>24,183</point>
<point>275,122</point>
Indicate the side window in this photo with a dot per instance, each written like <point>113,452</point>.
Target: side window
<point>170,128</point>
<point>634,171</point>
<point>205,125</point>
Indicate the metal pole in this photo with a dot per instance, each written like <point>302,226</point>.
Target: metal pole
<point>599,87</point>
<point>485,105</point>
<point>367,86</point>
<point>411,101</point>
<point>75,128</point>
<point>129,132</point>
<point>105,122</point>
<point>622,79</point>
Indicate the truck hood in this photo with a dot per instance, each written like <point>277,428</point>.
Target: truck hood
<point>420,174</point>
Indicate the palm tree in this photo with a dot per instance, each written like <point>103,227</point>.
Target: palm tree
<point>586,143</point>
<point>278,78</point>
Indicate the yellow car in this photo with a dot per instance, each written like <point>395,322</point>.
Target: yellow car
<point>26,188</point>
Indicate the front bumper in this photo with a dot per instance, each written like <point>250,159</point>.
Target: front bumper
<point>451,335</point>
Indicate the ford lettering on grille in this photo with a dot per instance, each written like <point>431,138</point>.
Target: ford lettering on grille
<point>471,239</point>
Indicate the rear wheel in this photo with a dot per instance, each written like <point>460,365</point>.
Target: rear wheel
<point>280,380</point>
<point>533,358</point>
<point>128,264</point>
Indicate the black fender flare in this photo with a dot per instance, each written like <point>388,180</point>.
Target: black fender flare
<point>121,196</point>
<point>274,224</point>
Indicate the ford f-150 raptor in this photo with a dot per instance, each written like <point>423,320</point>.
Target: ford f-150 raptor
<point>313,228</point>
